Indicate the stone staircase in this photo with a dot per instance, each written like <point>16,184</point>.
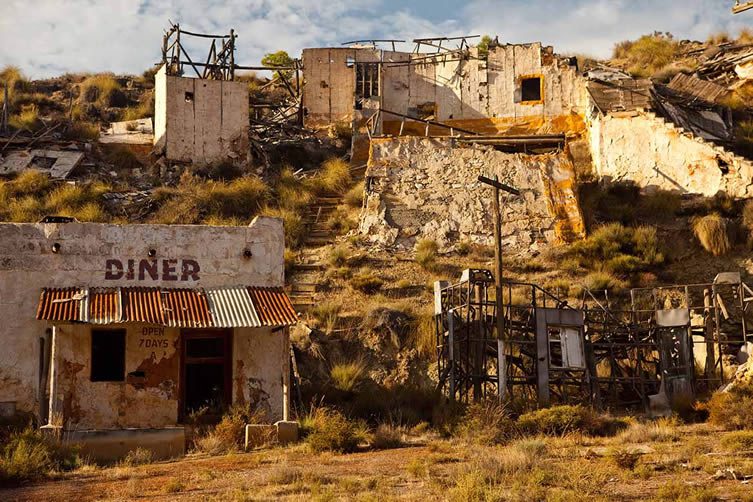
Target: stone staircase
<point>305,277</point>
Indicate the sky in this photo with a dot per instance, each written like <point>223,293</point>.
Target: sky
<point>50,37</point>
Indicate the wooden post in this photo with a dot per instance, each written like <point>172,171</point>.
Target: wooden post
<point>6,106</point>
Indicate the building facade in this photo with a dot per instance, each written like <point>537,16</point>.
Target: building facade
<point>137,327</point>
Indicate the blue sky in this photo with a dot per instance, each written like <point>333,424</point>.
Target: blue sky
<point>50,37</point>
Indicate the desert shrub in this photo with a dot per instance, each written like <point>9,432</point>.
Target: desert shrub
<point>366,282</point>
<point>30,455</point>
<point>486,423</point>
<point>619,249</point>
<point>193,199</point>
<point>338,256</point>
<point>327,429</point>
<point>713,233</point>
<point>139,456</point>
<point>733,409</point>
<point>659,431</point>
<point>122,157</point>
<point>560,420</point>
<point>426,253</point>
<point>333,177</point>
<point>292,192</point>
<point>229,434</point>
<point>144,109</point>
<point>102,90</point>
<point>737,441</point>
<point>82,131</point>
<point>624,458</point>
<point>293,223</point>
<point>347,376</point>
<point>387,436</point>
<point>340,222</point>
<point>599,281</point>
<point>354,196</point>
<point>15,79</point>
<point>27,119</point>
<point>422,336</point>
<point>647,55</point>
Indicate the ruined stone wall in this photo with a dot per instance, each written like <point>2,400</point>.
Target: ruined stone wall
<point>642,148</point>
<point>428,188</point>
<point>200,121</point>
<point>28,264</point>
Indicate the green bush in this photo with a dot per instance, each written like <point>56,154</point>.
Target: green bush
<point>327,429</point>
<point>560,420</point>
<point>649,54</point>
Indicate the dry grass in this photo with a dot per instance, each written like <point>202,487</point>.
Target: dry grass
<point>144,109</point>
<point>29,455</point>
<point>293,223</point>
<point>347,376</point>
<point>387,436</point>
<point>366,282</point>
<point>139,456</point>
<point>332,178</point>
<point>327,429</point>
<point>102,90</point>
<point>82,131</point>
<point>732,410</point>
<point>660,431</point>
<point>560,420</point>
<point>737,441</point>
<point>647,55</point>
<point>354,196</point>
<point>486,423</point>
<point>27,119</point>
<point>713,233</point>
<point>426,254</point>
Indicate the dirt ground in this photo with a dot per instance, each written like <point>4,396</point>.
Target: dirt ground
<point>684,462</point>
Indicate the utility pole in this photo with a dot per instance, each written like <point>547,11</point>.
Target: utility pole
<point>6,106</point>
<point>496,209</point>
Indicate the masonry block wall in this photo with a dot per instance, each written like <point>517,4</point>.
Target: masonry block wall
<point>200,121</point>
<point>428,188</point>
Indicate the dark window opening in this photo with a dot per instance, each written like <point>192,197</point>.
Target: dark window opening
<point>206,373</point>
<point>43,162</point>
<point>189,97</point>
<point>205,347</point>
<point>555,348</point>
<point>108,355</point>
<point>531,89</point>
<point>367,81</point>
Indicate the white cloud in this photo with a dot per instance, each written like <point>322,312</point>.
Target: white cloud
<point>49,37</point>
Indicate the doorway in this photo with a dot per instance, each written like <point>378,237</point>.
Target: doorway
<point>206,372</point>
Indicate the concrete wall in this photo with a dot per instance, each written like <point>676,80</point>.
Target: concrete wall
<point>428,188</point>
<point>210,127</point>
<point>654,154</point>
<point>452,87</point>
<point>27,264</point>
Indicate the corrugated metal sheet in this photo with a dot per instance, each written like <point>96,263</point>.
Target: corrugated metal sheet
<point>232,307</point>
<point>60,304</point>
<point>142,305</point>
<point>103,306</point>
<point>273,306</point>
<point>186,308</point>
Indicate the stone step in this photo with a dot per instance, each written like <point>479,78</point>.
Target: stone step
<point>304,287</point>
<point>321,233</point>
<point>318,241</point>
<point>308,266</point>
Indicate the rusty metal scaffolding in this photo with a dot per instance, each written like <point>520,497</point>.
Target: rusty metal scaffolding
<point>676,341</point>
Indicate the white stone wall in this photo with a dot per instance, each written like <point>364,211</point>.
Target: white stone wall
<point>201,121</point>
<point>643,148</point>
<point>424,188</point>
<point>27,264</point>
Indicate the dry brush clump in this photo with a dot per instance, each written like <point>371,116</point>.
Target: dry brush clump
<point>102,90</point>
<point>733,407</point>
<point>31,455</point>
<point>648,55</point>
<point>327,429</point>
<point>713,233</point>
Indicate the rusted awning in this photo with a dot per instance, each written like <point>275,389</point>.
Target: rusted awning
<point>230,307</point>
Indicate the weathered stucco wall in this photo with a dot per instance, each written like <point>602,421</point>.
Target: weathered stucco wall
<point>645,149</point>
<point>200,121</point>
<point>28,264</point>
<point>467,92</point>
<point>428,188</point>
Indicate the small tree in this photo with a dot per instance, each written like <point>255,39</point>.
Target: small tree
<point>279,58</point>
<point>483,46</point>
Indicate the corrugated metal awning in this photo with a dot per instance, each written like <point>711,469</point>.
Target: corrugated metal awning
<point>229,307</point>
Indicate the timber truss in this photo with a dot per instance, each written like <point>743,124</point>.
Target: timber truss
<point>219,64</point>
<point>668,345</point>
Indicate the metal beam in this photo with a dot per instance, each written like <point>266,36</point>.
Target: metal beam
<point>497,184</point>
<point>741,7</point>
